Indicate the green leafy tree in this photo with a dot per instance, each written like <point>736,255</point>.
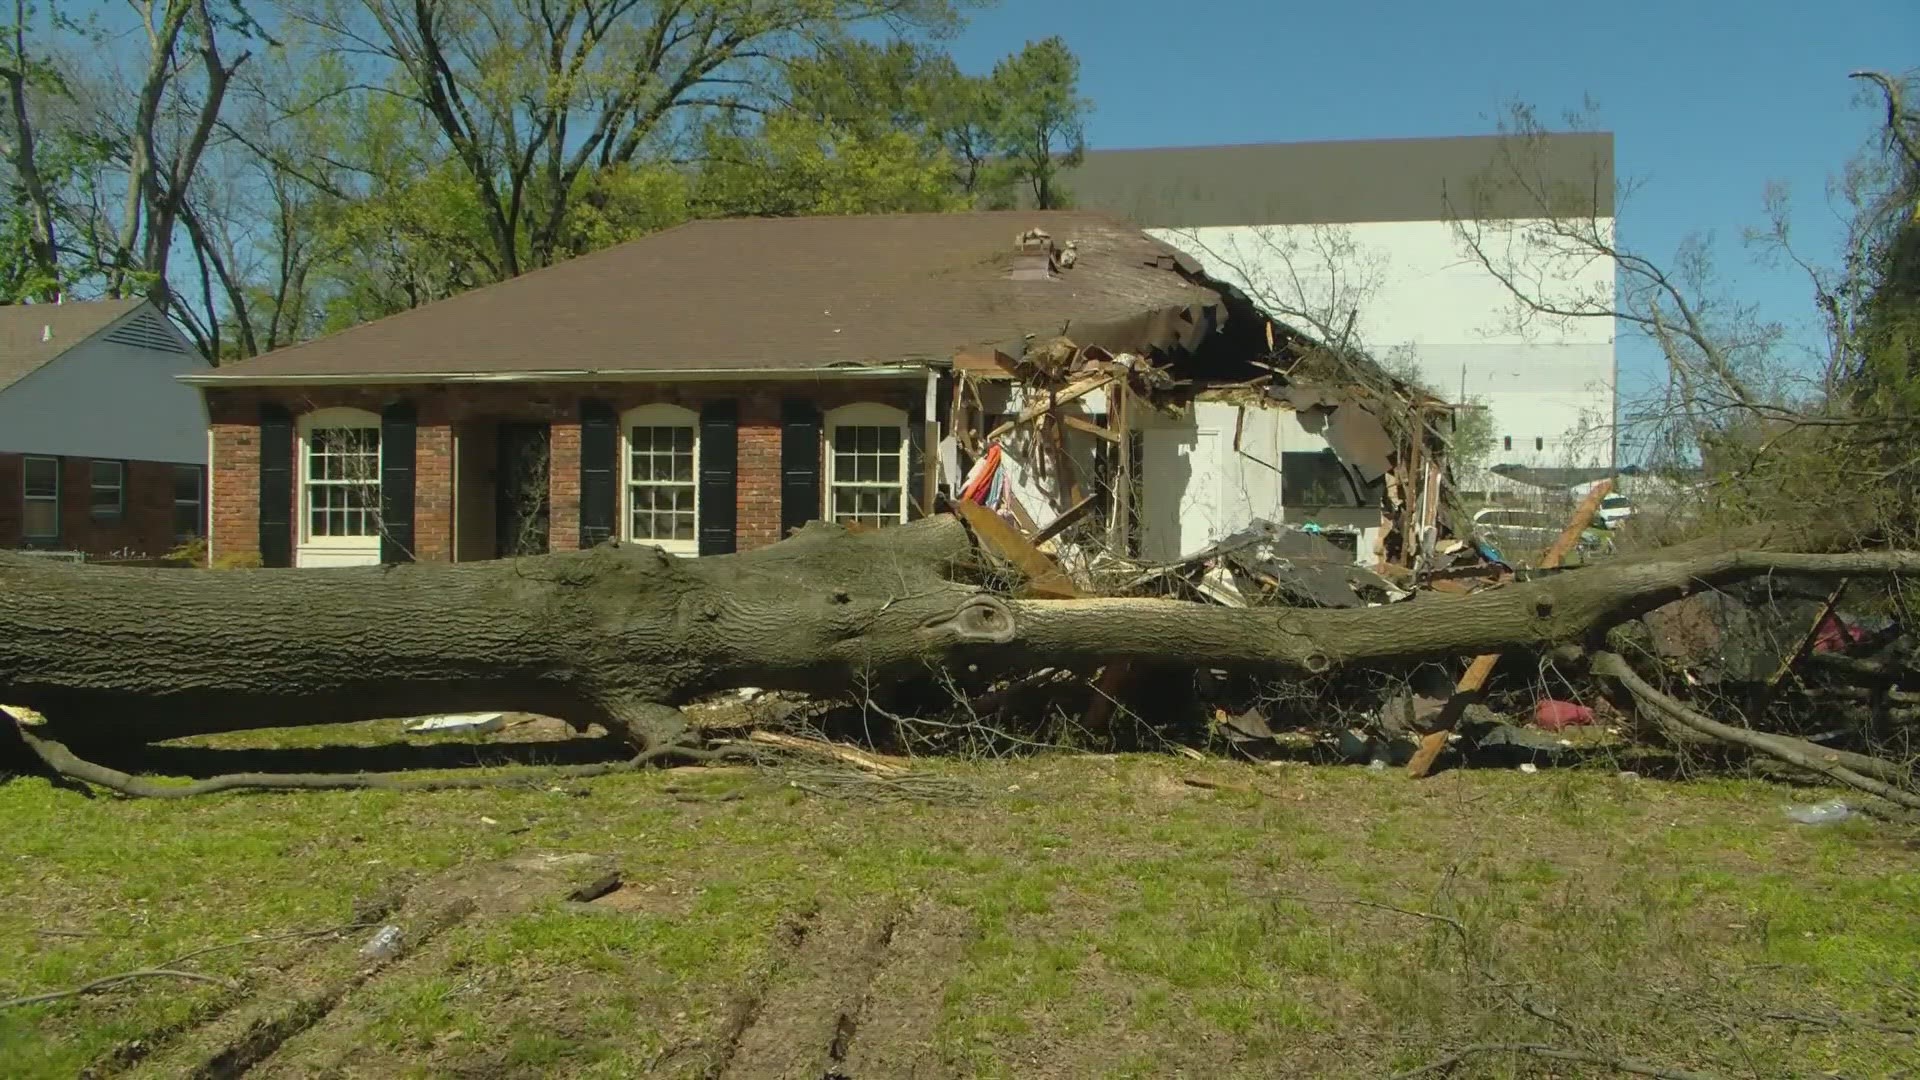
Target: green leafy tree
<point>1035,118</point>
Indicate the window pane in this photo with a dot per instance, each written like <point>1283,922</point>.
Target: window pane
<point>41,519</point>
<point>890,468</point>
<point>186,520</point>
<point>868,439</point>
<point>683,528</point>
<point>683,440</point>
<point>887,440</point>
<point>186,484</point>
<point>843,503</point>
<point>683,465</point>
<point>42,477</point>
<point>887,503</point>
<point>106,473</point>
<point>843,440</point>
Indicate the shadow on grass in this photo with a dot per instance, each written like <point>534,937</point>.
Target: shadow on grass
<point>199,762</point>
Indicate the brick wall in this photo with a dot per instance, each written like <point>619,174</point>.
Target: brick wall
<point>142,529</point>
<point>443,410</point>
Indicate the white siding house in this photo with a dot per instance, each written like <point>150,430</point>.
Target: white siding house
<point>1361,236</point>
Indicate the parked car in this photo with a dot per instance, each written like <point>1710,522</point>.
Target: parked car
<point>1516,531</point>
<point>1614,509</point>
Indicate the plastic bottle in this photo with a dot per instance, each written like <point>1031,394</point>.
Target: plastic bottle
<point>1825,813</point>
<point>384,945</point>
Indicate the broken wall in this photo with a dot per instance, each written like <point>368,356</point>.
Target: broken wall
<point>1220,466</point>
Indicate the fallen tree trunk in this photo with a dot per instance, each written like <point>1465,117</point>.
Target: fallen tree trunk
<point>622,635</point>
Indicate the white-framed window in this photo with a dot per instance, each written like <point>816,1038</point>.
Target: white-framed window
<point>189,516</point>
<point>866,464</point>
<point>108,480</point>
<point>339,477</point>
<point>662,471</point>
<point>40,498</point>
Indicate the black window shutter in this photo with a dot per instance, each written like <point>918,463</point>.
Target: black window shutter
<point>719,476</point>
<point>396,482</point>
<point>917,460</point>
<point>799,464</point>
<point>276,486</point>
<point>599,465</point>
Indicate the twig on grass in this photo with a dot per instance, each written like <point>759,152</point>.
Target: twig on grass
<point>1456,925</point>
<point>262,939</point>
<point>852,784</point>
<point>1540,1050</point>
<point>110,981</point>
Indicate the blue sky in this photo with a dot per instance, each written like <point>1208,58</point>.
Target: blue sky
<point>1708,102</point>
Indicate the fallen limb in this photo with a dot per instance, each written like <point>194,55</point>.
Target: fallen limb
<point>1792,751</point>
<point>1540,1050</point>
<point>110,981</point>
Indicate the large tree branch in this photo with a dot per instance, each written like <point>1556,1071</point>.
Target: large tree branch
<point>1792,751</point>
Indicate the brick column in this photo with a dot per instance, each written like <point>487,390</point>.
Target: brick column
<point>233,485</point>
<point>759,471</point>
<point>563,486</point>
<point>433,486</point>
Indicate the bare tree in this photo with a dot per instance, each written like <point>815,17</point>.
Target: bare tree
<point>532,95</point>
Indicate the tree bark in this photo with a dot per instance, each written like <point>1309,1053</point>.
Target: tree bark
<point>623,634</point>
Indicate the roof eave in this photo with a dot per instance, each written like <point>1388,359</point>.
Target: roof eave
<point>216,379</point>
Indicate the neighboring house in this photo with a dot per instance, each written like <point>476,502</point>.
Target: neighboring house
<point>1366,226</point>
<point>707,389</point>
<point>102,451</point>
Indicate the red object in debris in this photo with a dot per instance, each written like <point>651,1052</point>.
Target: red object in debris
<point>1835,634</point>
<point>1554,715</point>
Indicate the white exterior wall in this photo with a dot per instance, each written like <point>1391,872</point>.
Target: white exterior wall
<point>102,399</point>
<point>1196,489</point>
<point>1418,293</point>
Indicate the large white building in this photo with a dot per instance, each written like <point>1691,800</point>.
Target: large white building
<point>1361,239</point>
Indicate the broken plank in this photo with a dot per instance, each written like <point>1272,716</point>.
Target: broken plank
<point>1034,412</point>
<point>1044,578</point>
<point>1065,521</point>
<point>1079,423</point>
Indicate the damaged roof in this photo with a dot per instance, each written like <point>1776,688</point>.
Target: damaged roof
<point>771,294</point>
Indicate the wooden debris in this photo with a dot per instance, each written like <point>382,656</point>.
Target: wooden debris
<point>1035,411</point>
<point>1044,579</point>
<point>1482,667</point>
<point>847,755</point>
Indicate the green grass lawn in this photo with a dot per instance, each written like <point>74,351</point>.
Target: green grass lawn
<point>1080,917</point>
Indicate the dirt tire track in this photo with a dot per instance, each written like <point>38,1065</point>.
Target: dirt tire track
<point>811,1008</point>
<point>788,940</point>
<point>900,1013</point>
<point>243,1038</point>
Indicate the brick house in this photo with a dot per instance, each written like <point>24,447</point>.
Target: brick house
<point>707,388</point>
<point>102,450</point>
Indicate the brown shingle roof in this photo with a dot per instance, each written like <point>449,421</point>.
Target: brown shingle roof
<point>33,335</point>
<point>763,293</point>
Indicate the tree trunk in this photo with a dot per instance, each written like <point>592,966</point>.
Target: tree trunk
<point>623,634</point>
